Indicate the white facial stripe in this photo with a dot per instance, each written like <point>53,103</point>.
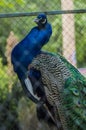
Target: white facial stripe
<point>44,21</point>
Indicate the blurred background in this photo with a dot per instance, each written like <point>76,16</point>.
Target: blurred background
<point>17,112</point>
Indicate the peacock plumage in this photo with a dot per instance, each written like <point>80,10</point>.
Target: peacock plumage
<point>60,88</point>
<point>28,48</point>
<point>65,90</point>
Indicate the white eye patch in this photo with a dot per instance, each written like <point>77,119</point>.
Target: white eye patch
<point>44,21</point>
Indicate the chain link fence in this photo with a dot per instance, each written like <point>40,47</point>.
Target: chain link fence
<point>68,38</point>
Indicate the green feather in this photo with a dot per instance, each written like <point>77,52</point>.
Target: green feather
<point>66,89</point>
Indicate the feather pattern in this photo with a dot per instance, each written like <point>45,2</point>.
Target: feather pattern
<point>65,90</point>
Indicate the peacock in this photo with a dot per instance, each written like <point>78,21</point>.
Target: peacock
<point>49,80</point>
<point>65,90</point>
<point>28,48</point>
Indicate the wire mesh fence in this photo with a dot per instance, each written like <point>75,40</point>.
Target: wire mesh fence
<point>68,38</point>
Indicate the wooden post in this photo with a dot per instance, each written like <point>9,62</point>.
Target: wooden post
<point>68,32</point>
<point>12,40</point>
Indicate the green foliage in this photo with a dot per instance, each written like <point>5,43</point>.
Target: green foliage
<point>4,81</point>
<point>80,27</point>
<point>79,4</point>
<point>9,98</point>
<point>55,43</point>
<point>80,33</point>
<point>4,31</point>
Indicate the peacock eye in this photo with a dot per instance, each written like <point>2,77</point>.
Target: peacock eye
<point>75,92</point>
<point>78,103</point>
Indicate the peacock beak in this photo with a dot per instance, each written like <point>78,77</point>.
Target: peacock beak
<point>36,20</point>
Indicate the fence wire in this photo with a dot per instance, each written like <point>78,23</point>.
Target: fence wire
<point>68,38</point>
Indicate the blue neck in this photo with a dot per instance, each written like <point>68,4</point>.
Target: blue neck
<point>24,52</point>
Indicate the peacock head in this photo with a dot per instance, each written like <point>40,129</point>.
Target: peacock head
<point>41,20</point>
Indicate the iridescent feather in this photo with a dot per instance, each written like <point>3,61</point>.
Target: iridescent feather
<point>65,90</point>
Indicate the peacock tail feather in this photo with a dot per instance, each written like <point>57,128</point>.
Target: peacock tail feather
<point>65,89</point>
